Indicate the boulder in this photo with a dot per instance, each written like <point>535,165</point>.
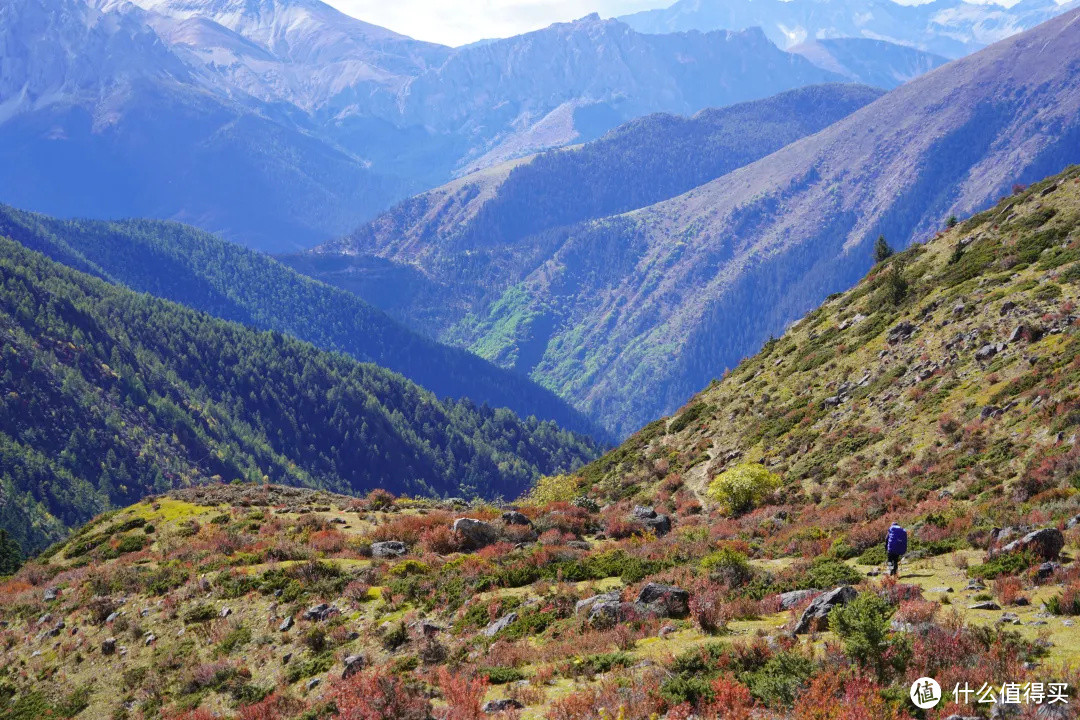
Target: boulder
<point>491,707</point>
<point>665,600</point>
<point>1045,543</point>
<point>286,624</point>
<point>477,533</point>
<point>108,646</point>
<point>579,545</point>
<point>790,599</point>
<point>388,549</point>
<point>644,512</point>
<point>501,624</point>
<point>353,665</point>
<point>51,594</point>
<point>1047,570</point>
<point>661,524</point>
<point>985,605</point>
<point>586,604</point>
<point>225,612</point>
<point>322,611</point>
<point>312,684</point>
<point>985,352</point>
<point>816,615</point>
<point>900,331</point>
<point>607,613</point>
<point>513,517</point>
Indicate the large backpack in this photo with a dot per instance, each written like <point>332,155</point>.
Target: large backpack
<point>896,541</point>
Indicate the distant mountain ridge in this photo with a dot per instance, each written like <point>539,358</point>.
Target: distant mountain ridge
<point>871,62</point>
<point>628,314</point>
<point>952,28</point>
<point>284,123</point>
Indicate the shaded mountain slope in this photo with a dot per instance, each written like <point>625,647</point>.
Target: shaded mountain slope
<point>194,268</point>
<point>109,395</point>
<point>475,236</point>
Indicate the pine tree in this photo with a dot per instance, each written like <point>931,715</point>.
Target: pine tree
<point>882,250</point>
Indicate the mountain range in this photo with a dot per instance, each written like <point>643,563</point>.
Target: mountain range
<point>625,315</point>
<point>952,28</point>
<point>282,123</point>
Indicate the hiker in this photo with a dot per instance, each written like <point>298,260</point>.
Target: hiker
<point>895,547</point>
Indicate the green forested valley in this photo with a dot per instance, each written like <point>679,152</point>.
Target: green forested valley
<point>107,395</point>
<point>200,270</point>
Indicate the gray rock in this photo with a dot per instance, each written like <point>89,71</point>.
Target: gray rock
<point>985,605</point>
<point>286,658</point>
<point>492,707</point>
<point>990,411</point>
<point>312,684</point>
<point>661,524</point>
<point>1073,522</point>
<point>606,613</point>
<point>816,615</point>
<point>644,512</point>
<point>585,605</point>
<point>353,665</point>
<point>150,639</point>
<point>986,352</point>
<point>1046,543</point>
<point>1047,570</point>
<point>790,599</point>
<point>225,612</point>
<point>579,545</point>
<point>900,331</point>
<point>513,517</point>
<point>51,594</point>
<point>286,624</point>
<point>112,617</point>
<point>665,600</point>
<point>108,646</point>
<point>388,549</point>
<point>477,533</point>
<point>320,612</point>
<point>1007,307</point>
<point>501,624</point>
<point>1009,618</point>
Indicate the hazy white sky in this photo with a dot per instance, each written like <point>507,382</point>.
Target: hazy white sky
<point>457,22</point>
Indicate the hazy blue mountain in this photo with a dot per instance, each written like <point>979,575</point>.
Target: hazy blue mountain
<point>284,123</point>
<point>952,28</point>
<point>873,62</point>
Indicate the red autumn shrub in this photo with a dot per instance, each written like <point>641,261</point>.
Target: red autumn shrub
<point>731,700</point>
<point>464,696</point>
<point>378,695</point>
<point>441,540</point>
<point>272,707</point>
<point>327,541</point>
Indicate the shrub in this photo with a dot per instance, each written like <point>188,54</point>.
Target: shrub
<point>826,572</point>
<point>742,487</point>
<point>463,696</point>
<point>1002,564</point>
<point>863,625</point>
<point>554,488</point>
<point>200,613</point>
<point>377,695</point>
<point>728,566</point>
<point>1067,602</point>
<point>778,681</point>
<point>501,675</point>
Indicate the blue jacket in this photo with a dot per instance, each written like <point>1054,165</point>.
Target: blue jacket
<point>896,541</point>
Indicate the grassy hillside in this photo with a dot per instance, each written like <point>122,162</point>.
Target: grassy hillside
<point>108,395</point>
<point>939,392</point>
<point>197,269</point>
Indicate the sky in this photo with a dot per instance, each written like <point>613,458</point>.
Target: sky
<point>458,22</point>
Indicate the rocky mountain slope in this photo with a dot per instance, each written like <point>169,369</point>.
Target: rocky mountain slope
<point>952,28</point>
<point>284,123</point>
<point>724,562</point>
<point>109,395</point>
<point>446,253</point>
<point>705,278</point>
<point>871,62</point>
<point>191,267</point>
